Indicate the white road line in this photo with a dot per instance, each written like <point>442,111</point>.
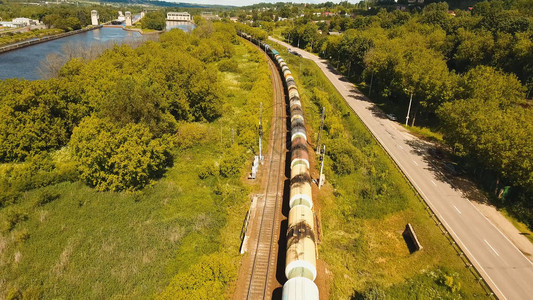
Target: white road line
<point>400,146</point>
<point>415,162</point>
<point>491,248</point>
<point>457,209</point>
<point>433,183</point>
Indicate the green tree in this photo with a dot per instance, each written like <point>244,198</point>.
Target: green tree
<point>114,158</point>
<point>154,20</point>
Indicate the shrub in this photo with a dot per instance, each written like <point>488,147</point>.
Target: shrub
<point>207,169</point>
<point>46,196</point>
<point>12,218</point>
<point>345,156</point>
<point>228,65</point>
<point>232,161</point>
<point>450,281</point>
<point>118,159</point>
<point>191,134</point>
<point>22,235</point>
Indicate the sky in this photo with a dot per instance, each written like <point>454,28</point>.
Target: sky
<point>250,2</point>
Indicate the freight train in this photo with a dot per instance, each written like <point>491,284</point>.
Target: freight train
<point>300,264</point>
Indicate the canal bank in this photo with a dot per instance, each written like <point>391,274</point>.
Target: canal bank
<point>35,41</point>
<point>27,62</point>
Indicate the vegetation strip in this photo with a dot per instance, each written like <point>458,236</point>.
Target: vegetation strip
<point>45,39</point>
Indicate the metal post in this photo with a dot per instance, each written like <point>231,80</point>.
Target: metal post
<point>260,132</point>
<point>371,80</point>
<point>409,109</point>
<point>320,181</point>
<point>320,130</point>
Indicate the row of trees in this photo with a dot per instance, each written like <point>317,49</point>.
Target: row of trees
<point>65,17</point>
<point>469,75</point>
<point>119,113</point>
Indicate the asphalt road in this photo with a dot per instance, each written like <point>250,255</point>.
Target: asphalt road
<point>504,267</point>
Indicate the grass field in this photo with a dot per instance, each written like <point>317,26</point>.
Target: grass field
<point>177,238</point>
<point>364,212</point>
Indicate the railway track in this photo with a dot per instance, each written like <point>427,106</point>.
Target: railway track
<point>261,273</point>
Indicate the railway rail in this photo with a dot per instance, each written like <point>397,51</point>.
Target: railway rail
<point>260,281</point>
<point>300,259</point>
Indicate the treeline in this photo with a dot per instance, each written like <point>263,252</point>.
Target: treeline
<point>469,73</point>
<point>116,117</point>
<point>65,17</point>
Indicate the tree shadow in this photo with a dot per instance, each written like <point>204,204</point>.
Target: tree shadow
<point>441,164</point>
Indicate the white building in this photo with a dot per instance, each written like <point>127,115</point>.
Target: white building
<point>8,24</point>
<point>22,22</point>
<point>178,16</point>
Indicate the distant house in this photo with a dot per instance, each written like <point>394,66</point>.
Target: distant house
<point>178,16</point>
<point>329,14</point>
<point>8,24</point>
<point>210,16</point>
<point>234,19</point>
<point>21,22</point>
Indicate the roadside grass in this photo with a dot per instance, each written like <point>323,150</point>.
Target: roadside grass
<point>425,133</point>
<point>365,213</point>
<point>523,228</point>
<point>178,237</point>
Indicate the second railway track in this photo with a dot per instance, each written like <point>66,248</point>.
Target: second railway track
<point>261,268</point>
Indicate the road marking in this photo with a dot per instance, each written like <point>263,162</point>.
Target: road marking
<point>433,183</point>
<point>457,209</point>
<point>400,146</point>
<point>491,248</point>
<point>415,162</point>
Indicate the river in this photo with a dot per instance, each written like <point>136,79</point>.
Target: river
<point>26,62</point>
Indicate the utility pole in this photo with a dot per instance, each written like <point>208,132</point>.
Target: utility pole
<point>409,109</point>
<point>261,133</point>
<point>320,130</point>
<point>371,80</point>
<point>321,179</point>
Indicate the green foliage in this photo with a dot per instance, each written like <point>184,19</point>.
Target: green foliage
<point>489,124</point>
<point>35,116</point>
<point>228,65</point>
<point>253,31</point>
<point>232,160</point>
<point>154,20</point>
<point>205,280</point>
<point>468,75</point>
<point>46,195</point>
<point>13,216</point>
<point>345,156</point>
<point>21,36</point>
<point>192,134</point>
<point>36,172</point>
<point>115,159</point>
